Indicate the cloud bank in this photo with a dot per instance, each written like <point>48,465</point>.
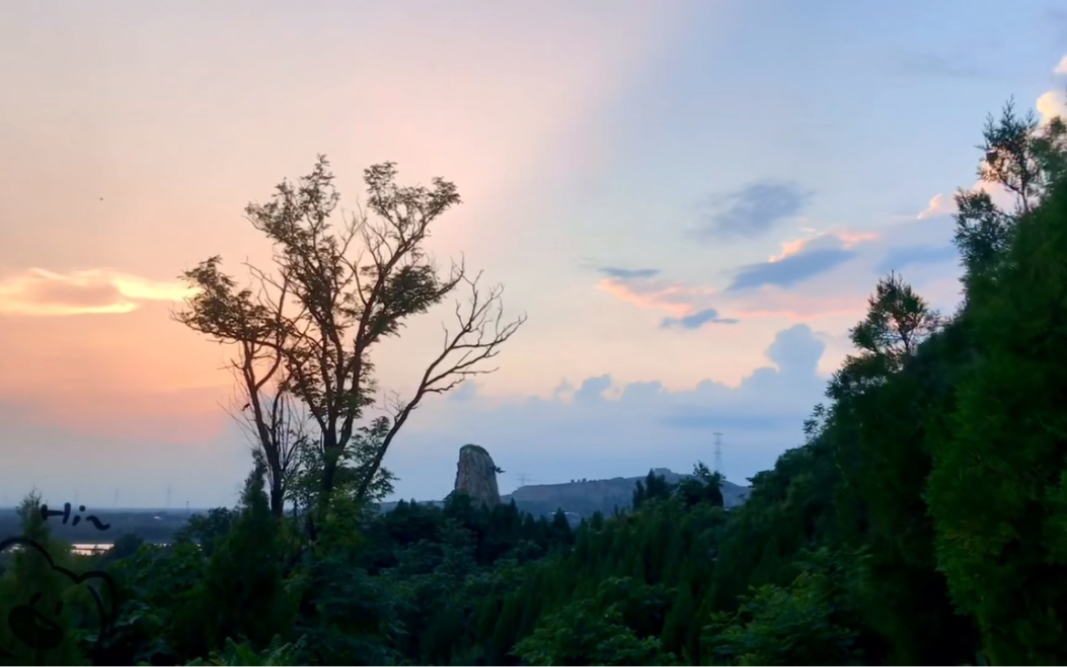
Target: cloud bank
<point>824,277</point>
<point>601,429</point>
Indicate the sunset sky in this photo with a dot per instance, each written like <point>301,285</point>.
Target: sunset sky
<point>691,200</point>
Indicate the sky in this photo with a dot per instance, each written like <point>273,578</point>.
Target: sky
<point>690,200</point>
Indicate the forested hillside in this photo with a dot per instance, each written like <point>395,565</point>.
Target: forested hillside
<point>923,520</point>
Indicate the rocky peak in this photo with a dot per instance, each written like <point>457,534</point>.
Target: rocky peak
<point>476,475</point>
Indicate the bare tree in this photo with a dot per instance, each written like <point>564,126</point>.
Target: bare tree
<point>309,329</point>
<point>278,428</point>
<point>253,323</point>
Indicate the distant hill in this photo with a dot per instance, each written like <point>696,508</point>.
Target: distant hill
<point>581,499</point>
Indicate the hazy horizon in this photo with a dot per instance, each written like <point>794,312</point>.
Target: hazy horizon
<point>5,506</point>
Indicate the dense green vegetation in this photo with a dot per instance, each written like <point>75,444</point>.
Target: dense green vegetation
<point>924,520</point>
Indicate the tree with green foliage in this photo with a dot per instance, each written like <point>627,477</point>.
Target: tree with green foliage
<point>804,623</point>
<point>654,486</point>
<point>998,491</point>
<point>582,634</point>
<point>243,594</point>
<point>206,530</point>
<point>703,486</point>
<point>307,333</point>
<point>278,653</point>
<point>1024,159</point>
<point>897,322</point>
<point>50,615</point>
<point>159,618</point>
<point>885,398</point>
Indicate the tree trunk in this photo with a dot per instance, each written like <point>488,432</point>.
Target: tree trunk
<point>330,458</point>
<point>329,474</point>
<point>277,501</point>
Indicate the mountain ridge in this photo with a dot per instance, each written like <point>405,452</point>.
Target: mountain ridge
<point>582,498</point>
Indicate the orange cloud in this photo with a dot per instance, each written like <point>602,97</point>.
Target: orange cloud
<point>850,240</point>
<point>676,298</point>
<point>42,293</point>
<point>790,248</point>
<point>846,239</point>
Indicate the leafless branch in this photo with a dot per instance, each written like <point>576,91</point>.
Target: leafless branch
<point>479,334</point>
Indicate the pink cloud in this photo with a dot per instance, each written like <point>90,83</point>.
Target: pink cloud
<point>839,237</point>
<point>942,204</point>
<point>677,298</point>
<point>682,299</point>
<point>825,297</point>
<point>1061,68</point>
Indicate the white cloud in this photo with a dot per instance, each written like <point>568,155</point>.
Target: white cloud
<point>1054,102</point>
<point>939,205</point>
<point>1062,67</point>
<point>942,204</point>
<point>1050,105</point>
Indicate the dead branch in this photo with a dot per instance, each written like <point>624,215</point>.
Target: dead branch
<point>477,338</point>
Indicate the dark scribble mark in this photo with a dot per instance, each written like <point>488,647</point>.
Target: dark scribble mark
<point>38,632</point>
<point>65,513</point>
<point>32,628</point>
<point>96,522</point>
